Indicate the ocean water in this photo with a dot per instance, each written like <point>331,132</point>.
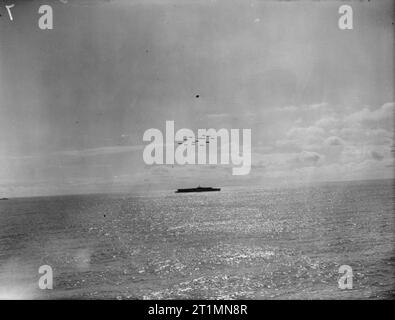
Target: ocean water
<point>235,244</point>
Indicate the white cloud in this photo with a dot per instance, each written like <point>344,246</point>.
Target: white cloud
<point>382,116</point>
<point>339,142</point>
<point>303,138</point>
<point>327,122</point>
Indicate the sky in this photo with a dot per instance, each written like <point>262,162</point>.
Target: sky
<point>76,100</point>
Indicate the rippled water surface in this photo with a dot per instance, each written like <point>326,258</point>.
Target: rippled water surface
<point>233,244</point>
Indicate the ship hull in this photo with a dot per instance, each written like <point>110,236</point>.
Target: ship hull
<point>197,190</point>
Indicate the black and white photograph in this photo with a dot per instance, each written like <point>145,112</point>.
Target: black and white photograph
<point>207,150</point>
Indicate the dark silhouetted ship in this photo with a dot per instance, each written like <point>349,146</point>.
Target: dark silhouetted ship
<point>198,189</point>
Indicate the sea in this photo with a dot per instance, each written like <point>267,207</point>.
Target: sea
<point>239,243</point>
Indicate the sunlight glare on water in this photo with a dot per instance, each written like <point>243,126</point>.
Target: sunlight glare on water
<point>233,244</point>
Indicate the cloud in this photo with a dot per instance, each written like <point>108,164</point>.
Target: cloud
<point>318,106</point>
<point>327,122</point>
<point>339,142</point>
<point>288,109</point>
<point>307,158</point>
<point>305,133</point>
<point>334,141</point>
<point>101,151</point>
<point>217,115</point>
<point>383,116</point>
<point>376,155</point>
<point>302,138</point>
<point>81,153</point>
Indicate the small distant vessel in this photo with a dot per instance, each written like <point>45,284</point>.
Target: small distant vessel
<point>198,189</point>
<point>4,199</point>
